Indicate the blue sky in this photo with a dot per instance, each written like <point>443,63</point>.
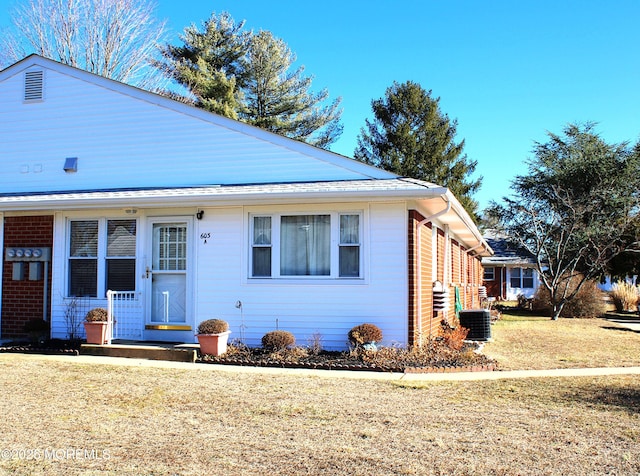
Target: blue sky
<point>508,71</point>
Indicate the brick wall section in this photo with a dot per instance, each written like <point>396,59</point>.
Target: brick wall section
<point>429,319</point>
<point>23,300</point>
<point>466,272</point>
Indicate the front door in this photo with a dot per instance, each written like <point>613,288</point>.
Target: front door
<point>169,303</point>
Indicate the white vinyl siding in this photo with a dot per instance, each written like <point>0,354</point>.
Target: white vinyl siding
<point>303,305</point>
<point>125,138</point>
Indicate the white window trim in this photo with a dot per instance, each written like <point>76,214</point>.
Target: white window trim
<point>101,291</point>
<point>521,278</point>
<point>335,245</point>
<point>484,270</point>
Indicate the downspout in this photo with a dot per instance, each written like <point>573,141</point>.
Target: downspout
<point>419,265</point>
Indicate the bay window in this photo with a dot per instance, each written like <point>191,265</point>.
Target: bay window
<point>325,245</point>
<point>102,256</point>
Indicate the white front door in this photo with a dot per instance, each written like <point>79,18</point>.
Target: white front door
<point>169,301</point>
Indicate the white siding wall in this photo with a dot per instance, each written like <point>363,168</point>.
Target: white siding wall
<point>124,141</point>
<point>328,307</point>
<point>304,307</point>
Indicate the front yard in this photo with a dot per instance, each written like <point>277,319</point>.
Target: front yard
<point>138,420</point>
<point>531,342</point>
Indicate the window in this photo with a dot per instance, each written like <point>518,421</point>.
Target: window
<point>489,274</point>
<point>349,246</point>
<point>522,278</point>
<point>83,258</point>
<point>101,256</point>
<point>324,245</point>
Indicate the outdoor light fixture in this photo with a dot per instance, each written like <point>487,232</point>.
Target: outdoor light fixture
<point>200,214</point>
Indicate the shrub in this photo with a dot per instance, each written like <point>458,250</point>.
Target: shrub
<point>278,340</point>
<point>36,326</point>
<point>213,326</point>
<point>524,302</point>
<point>365,333</point>
<point>97,314</point>
<point>454,337</point>
<point>624,296</point>
<point>588,302</point>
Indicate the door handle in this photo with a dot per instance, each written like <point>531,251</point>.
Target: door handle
<point>147,272</point>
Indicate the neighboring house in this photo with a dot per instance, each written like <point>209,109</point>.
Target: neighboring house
<point>190,216</point>
<point>511,271</point>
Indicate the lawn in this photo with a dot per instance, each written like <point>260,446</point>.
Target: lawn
<point>140,420</point>
<point>530,342</point>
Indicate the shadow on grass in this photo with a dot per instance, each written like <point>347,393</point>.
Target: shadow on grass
<point>623,329</point>
<point>622,398</point>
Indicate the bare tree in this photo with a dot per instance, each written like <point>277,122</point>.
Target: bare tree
<point>113,38</point>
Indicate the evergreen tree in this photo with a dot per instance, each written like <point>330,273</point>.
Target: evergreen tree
<point>280,101</point>
<point>576,210</point>
<point>410,136</point>
<point>247,76</point>
<point>210,64</point>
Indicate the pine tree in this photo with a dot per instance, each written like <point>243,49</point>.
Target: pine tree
<point>280,101</point>
<point>210,64</point>
<point>247,76</point>
<point>410,136</point>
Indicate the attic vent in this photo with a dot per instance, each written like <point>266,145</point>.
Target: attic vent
<point>33,85</point>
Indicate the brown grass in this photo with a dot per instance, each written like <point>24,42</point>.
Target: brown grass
<point>141,420</point>
<point>158,421</point>
<point>527,342</point>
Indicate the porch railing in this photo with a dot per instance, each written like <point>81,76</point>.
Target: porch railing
<point>124,315</point>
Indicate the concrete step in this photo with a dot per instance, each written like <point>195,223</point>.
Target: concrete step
<point>170,352</point>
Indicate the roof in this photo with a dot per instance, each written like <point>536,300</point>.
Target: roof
<point>146,174</point>
<point>506,251</point>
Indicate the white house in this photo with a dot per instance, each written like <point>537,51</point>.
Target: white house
<point>511,271</point>
<point>190,215</point>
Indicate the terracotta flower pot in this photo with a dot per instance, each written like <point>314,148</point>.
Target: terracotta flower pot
<point>213,344</point>
<point>96,332</point>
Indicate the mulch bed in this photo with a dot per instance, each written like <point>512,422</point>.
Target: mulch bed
<point>256,357</point>
<point>327,360</point>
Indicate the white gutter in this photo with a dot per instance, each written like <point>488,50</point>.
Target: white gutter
<point>419,266</point>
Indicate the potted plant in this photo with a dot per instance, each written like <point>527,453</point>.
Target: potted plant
<point>95,326</point>
<point>213,335</point>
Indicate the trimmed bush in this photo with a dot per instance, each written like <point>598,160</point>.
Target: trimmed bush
<point>365,333</point>
<point>213,326</point>
<point>588,302</point>
<point>97,314</point>
<point>624,296</point>
<point>278,340</point>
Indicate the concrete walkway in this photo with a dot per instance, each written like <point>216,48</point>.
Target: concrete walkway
<point>631,323</point>
<point>385,376</point>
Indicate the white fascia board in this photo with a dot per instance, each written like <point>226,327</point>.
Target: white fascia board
<point>460,223</point>
<point>160,200</point>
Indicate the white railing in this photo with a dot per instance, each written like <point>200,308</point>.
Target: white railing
<point>124,315</point>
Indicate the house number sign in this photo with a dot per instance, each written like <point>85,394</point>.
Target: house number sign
<point>204,237</point>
